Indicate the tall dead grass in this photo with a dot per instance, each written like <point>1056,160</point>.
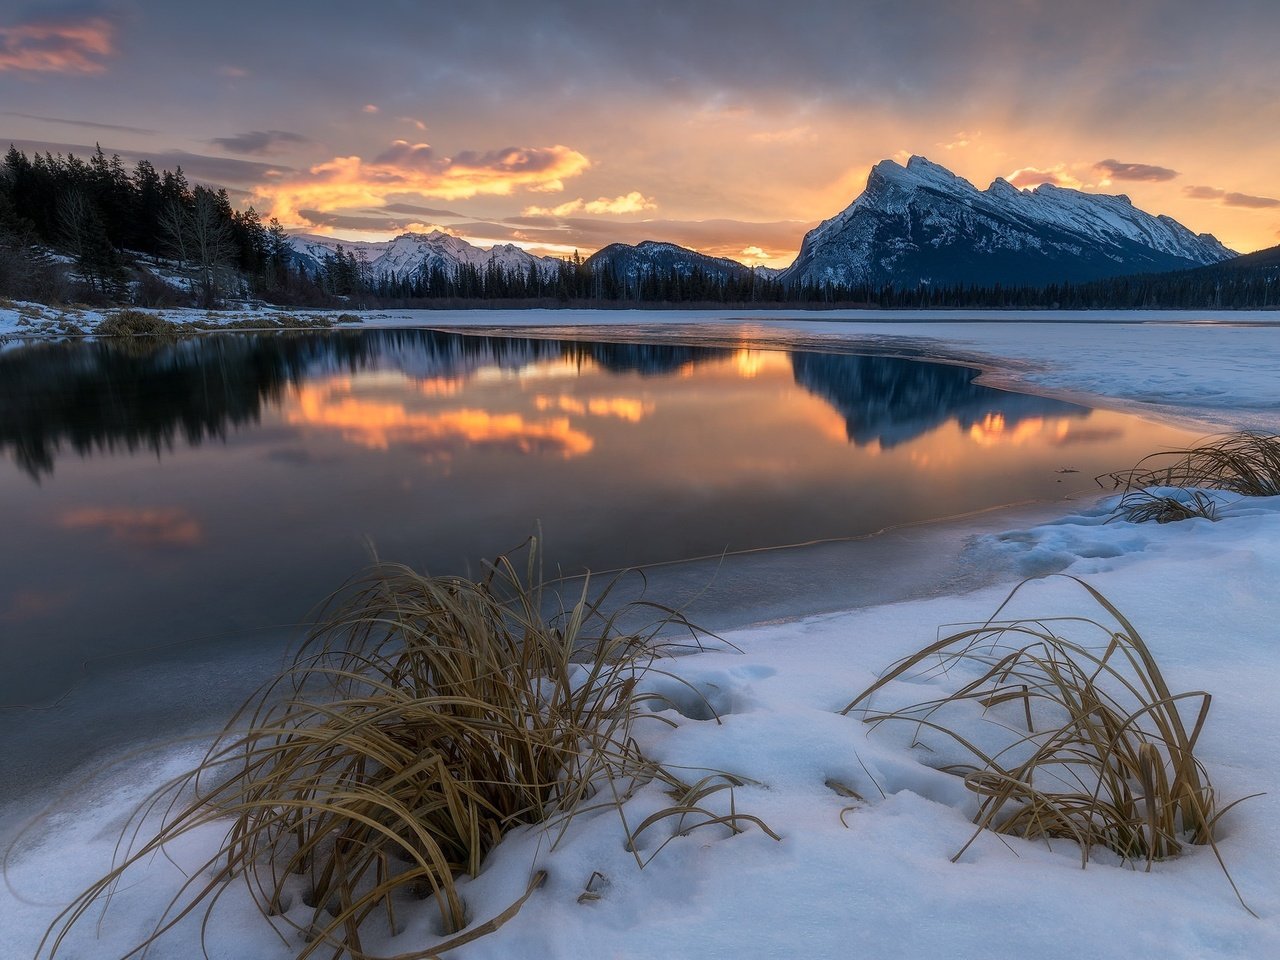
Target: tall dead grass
<point>1246,463</point>
<point>1093,745</point>
<point>424,720</point>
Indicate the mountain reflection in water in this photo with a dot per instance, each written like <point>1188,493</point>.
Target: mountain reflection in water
<point>106,397</point>
<point>219,487</point>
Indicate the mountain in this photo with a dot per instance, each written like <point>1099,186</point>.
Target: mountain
<point>922,224</point>
<point>413,254</point>
<point>628,262</point>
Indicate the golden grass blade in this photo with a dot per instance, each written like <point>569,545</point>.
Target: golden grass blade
<point>422,720</point>
<point>1115,768</point>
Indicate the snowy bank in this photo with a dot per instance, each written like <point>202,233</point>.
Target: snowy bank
<point>870,877</point>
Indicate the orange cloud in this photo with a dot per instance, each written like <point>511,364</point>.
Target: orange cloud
<point>633,202</point>
<point>415,171</point>
<point>138,526</point>
<point>378,425</point>
<point>48,46</point>
<point>1058,175</point>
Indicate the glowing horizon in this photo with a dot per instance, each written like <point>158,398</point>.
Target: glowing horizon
<point>730,128</point>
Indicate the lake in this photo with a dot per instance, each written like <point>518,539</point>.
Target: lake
<point>215,489</point>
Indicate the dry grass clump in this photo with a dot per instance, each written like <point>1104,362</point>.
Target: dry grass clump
<point>1094,746</point>
<point>424,720</point>
<point>1246,463</point>
<point>1145,505</point>
<point>135,323</point>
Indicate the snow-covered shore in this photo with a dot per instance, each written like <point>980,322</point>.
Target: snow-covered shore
<point>879,883</point>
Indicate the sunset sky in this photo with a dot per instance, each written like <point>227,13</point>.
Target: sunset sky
<point>728,127</point>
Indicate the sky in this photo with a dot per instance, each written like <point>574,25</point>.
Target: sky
<point>730,127</point>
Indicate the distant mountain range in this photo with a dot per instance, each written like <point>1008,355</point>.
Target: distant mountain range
<point>913,225</point>
<point>413,254</point>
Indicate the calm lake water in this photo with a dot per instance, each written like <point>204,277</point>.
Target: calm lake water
<point>215,487</point>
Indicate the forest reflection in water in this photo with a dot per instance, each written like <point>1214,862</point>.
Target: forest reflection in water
<point>232,481</point>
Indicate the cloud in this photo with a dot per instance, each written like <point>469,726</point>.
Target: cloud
<point>716,238</point>
<point>633,202</point>
<point>259,142</point>
<point>1231,199</point>
<point>961,139</point>
<point>405,170</point>
<point>422,127</point>
<point>138,526</point>
<point>382,424</point>
<point>54,46</point>
<point>1245,200</point>
<point>89,124</point>
<point>1135,171</point>
<point>414,209</point>
<point>1058,175</point>
<point>349,221</point>
<point>370,108</point>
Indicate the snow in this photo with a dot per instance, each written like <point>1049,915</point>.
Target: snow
<point>866,242</point>
<point>873,877</point>
<point>412,253</point>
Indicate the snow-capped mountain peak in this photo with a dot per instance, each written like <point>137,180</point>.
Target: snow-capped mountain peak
<point>921,223</point>
<point>412,255</point>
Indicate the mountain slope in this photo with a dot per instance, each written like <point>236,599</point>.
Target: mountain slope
<point>631,261</point>
<point>923,224</point>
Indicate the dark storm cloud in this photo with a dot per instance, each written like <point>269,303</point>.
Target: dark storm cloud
<point>88,124</point>
<point>342,221</point>
<point>1230,198</point>
<point>259,142</point>
<point>414,210</point>
<point>1245,200</point>
<point>509,160</point>
<point>402,153</point>
<point>218,171</point>
<point>1135,171</point>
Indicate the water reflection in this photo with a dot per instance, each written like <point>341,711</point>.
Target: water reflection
<point>377,424</point>
<point>366,385</point>
<point>437,450</point>
<point>888,402</point>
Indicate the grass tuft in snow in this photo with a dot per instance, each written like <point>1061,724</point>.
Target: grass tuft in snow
<point>425,719</point>
<point>135,323</point>
<point>1246,463</point>
<point>1072,730</point>
<point>1149,503</point>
